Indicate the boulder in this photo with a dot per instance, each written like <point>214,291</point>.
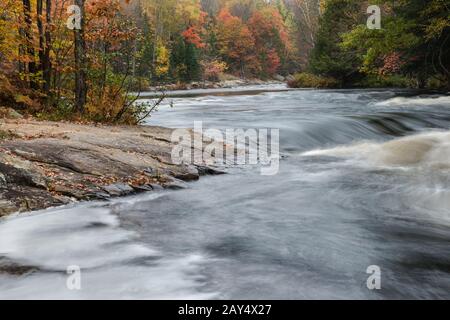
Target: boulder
<point>118,189</point>
<point>290,78</point>
<point>175,184</point>
<point>22,172</point>
<point>10,113</point>
<point>7,207</point>
<point>156,187</point>
<point>2,181</point>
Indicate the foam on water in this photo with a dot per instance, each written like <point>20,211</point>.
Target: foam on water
<point>113,262</point>
<point>426,150</point>
<point>415,101</point>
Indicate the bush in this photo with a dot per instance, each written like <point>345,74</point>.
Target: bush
<point>308,80</point>
<point>212,70</point>
<point>438,84</point>
<point>391,81</point>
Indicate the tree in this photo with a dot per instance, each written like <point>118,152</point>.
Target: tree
<point>213,69</point>
<point>304,19</point>
<point>44,41</point>
<point>272,43</point>
<point>328,58</point>
<point>162,63</point>
<point>11,50</point>
<point>30,64</point>
<point>80,61</point>
<point>414,42</point>
<point>236,43</point>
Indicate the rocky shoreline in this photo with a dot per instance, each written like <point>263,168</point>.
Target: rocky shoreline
<point>227,84</point>
<point>47,164</point>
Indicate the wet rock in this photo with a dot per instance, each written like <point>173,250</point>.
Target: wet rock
<point>70,192</point>
<point>290,78</point>
<point>175,184</point>
<point>118,189</point>
<point>16,170</point>
<point>7,207</point>
<point>279,78</point>
<point>9,267</point>
<point>208,171</point>
<point>2,181</point>
<point>143,188</point>
<point>98,196</point>
<point>184,173</point>
<point>156,187</point>
<point>10,113</point>
<point>63,199</point>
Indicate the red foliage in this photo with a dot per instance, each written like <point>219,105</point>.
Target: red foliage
<point>236,41</point>
<point>213,69</point>
<point>191,35</point>
<point>273,61</point>
<point>392,63</point>
<point>271,38</point>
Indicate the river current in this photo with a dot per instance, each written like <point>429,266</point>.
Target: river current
<point>364,181</point>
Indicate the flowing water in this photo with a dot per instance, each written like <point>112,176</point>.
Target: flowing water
<point>364,180</point>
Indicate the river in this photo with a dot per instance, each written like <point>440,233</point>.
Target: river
<point>364,181</point>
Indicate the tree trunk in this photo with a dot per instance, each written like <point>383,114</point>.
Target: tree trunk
<point>39,11</point>
<point>80,62</point>
<point>46,62</point>
<point>29,48</point>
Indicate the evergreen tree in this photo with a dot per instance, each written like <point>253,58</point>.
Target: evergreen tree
<point>328,57</point>
<point>184,62</point>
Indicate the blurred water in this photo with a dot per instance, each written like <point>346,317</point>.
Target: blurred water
<point>364,181</point>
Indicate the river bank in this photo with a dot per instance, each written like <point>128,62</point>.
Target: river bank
<point>233,82</point>
<point>47,164</point>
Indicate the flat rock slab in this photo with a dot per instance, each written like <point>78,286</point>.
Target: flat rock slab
<point>45,164</point>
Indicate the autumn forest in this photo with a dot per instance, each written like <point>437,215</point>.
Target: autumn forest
<point>55,66</point>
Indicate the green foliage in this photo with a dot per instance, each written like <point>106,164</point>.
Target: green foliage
<point>145,48</point>
<point>372,45</point>
<point>185,65</point>
<point>390,81</point>
<point>328,57</point>
<point>308,80</point>
<point>413,44</point>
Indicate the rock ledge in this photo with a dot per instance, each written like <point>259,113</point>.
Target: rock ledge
<point>46,164</point>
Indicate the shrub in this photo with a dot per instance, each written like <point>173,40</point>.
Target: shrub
<point>308,80</point>
<point>212,70</point>
<point>391,81</point>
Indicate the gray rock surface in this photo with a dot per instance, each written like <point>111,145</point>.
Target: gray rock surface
<point>48,164</point>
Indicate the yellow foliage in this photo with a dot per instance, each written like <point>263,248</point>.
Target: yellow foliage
<point>162,60</point>
<point>9,37</point>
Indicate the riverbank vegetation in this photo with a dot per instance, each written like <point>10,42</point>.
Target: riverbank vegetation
<point>89,62</point>
<point>412,48</point>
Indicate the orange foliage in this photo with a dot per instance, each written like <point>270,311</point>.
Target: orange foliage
<point>191,35</point>
<point>235,40</point>
<point>271,37</point>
